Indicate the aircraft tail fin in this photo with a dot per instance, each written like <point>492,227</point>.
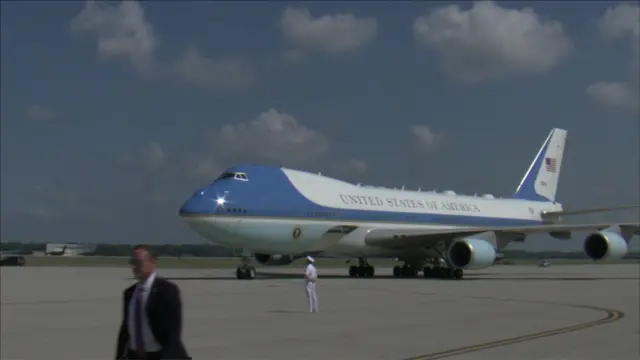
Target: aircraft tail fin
<point>540,183</point>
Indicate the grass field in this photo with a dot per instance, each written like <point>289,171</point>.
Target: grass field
<point>227,263</point>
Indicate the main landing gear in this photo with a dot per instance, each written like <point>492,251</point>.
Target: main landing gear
<point>362,270</point>
<point>439,272</point>
<point>245,271</point>
<point>412,269</point>
<point>406,270</point>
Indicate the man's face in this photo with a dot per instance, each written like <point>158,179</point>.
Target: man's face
<point>142,264</point>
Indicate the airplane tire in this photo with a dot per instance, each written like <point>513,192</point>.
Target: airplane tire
<point>408,271</point>
<point>427,272</point>
<point>404,271</point>
<point>240,273</point>
<point>353,271</point>
<point>439,272</point>
<point>458,274</point>
<point>397,271</point>
<point>365,271</point>
<point>251,273</point>
<point>370,271</point>
<point>245,273</point>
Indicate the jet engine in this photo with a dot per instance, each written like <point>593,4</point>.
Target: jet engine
<point>605,245</point>
<point>275,260</point>
<point>472,254</point>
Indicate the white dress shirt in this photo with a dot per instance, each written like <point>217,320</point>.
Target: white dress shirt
<point>150,343</point>
<point>311,273</point>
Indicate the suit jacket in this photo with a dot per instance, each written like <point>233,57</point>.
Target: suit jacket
<point>164,310</point>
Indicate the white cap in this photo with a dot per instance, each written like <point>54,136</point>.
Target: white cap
<point>310,258</point>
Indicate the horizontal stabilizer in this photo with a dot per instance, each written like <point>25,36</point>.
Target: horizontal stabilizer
<point>547,214</point>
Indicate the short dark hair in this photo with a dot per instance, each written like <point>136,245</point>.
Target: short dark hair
<point>145,247</point>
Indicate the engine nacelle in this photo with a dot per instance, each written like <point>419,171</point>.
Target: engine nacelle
<point>472,254</point>
<point>275,260</point>
<point>605,245</point>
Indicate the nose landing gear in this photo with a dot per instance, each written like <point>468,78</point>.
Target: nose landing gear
<point>245,271</point>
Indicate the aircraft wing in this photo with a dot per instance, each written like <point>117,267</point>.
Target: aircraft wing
<point>398,238</point>
<point>551,214</point>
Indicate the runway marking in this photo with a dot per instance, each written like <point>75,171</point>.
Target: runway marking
<point>612,316</point>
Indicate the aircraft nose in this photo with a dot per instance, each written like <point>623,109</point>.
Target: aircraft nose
<point>198,203</point>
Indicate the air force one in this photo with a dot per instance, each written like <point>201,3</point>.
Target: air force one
<point>280,215</point>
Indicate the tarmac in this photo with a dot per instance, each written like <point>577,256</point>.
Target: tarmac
<point>576,312</point>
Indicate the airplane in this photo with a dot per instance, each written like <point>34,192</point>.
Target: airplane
<point>279,215</point>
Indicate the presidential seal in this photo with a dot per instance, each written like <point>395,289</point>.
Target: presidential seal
<point>296,233</point>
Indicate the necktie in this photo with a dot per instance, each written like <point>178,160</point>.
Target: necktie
<point>139,308</point>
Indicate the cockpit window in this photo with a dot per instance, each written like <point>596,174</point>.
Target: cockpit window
<point>241,176</point>
<point>234,175</point>
<point>226,176</point>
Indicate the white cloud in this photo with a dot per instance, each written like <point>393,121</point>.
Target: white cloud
<point>40,112</point>
<point>489,41</point>
<point>38,211</point>
<point>219,73</point>
<point>153,155</point>
<point>619,22</point>
<point>334,33</point>
<point>426,139</point>
<point>55,193</point>
<point>122,31</point>
<point>274,136</point>
<point>293,56</point>
<point>357,166</point>
<point>615,95</point>
<point>205,168</point>
<point>150,155</point>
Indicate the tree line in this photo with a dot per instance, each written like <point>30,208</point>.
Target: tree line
<point>207,250</point>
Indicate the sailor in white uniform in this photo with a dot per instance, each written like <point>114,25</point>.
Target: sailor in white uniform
<point>310,278</point>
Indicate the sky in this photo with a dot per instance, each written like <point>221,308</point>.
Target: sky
<point>114,113</point>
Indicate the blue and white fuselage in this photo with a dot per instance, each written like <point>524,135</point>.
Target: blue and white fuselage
<point>259,207</point>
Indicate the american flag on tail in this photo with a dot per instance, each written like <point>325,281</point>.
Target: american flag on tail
<point>550,164</point>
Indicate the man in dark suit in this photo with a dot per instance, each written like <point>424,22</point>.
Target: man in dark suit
<point>155,331</point>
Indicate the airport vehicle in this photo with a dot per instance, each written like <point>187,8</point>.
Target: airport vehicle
<point>280,215</point>
<point>13,260</point>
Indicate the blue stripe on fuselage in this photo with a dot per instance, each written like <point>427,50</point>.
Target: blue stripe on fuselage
<point>269,193</point>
